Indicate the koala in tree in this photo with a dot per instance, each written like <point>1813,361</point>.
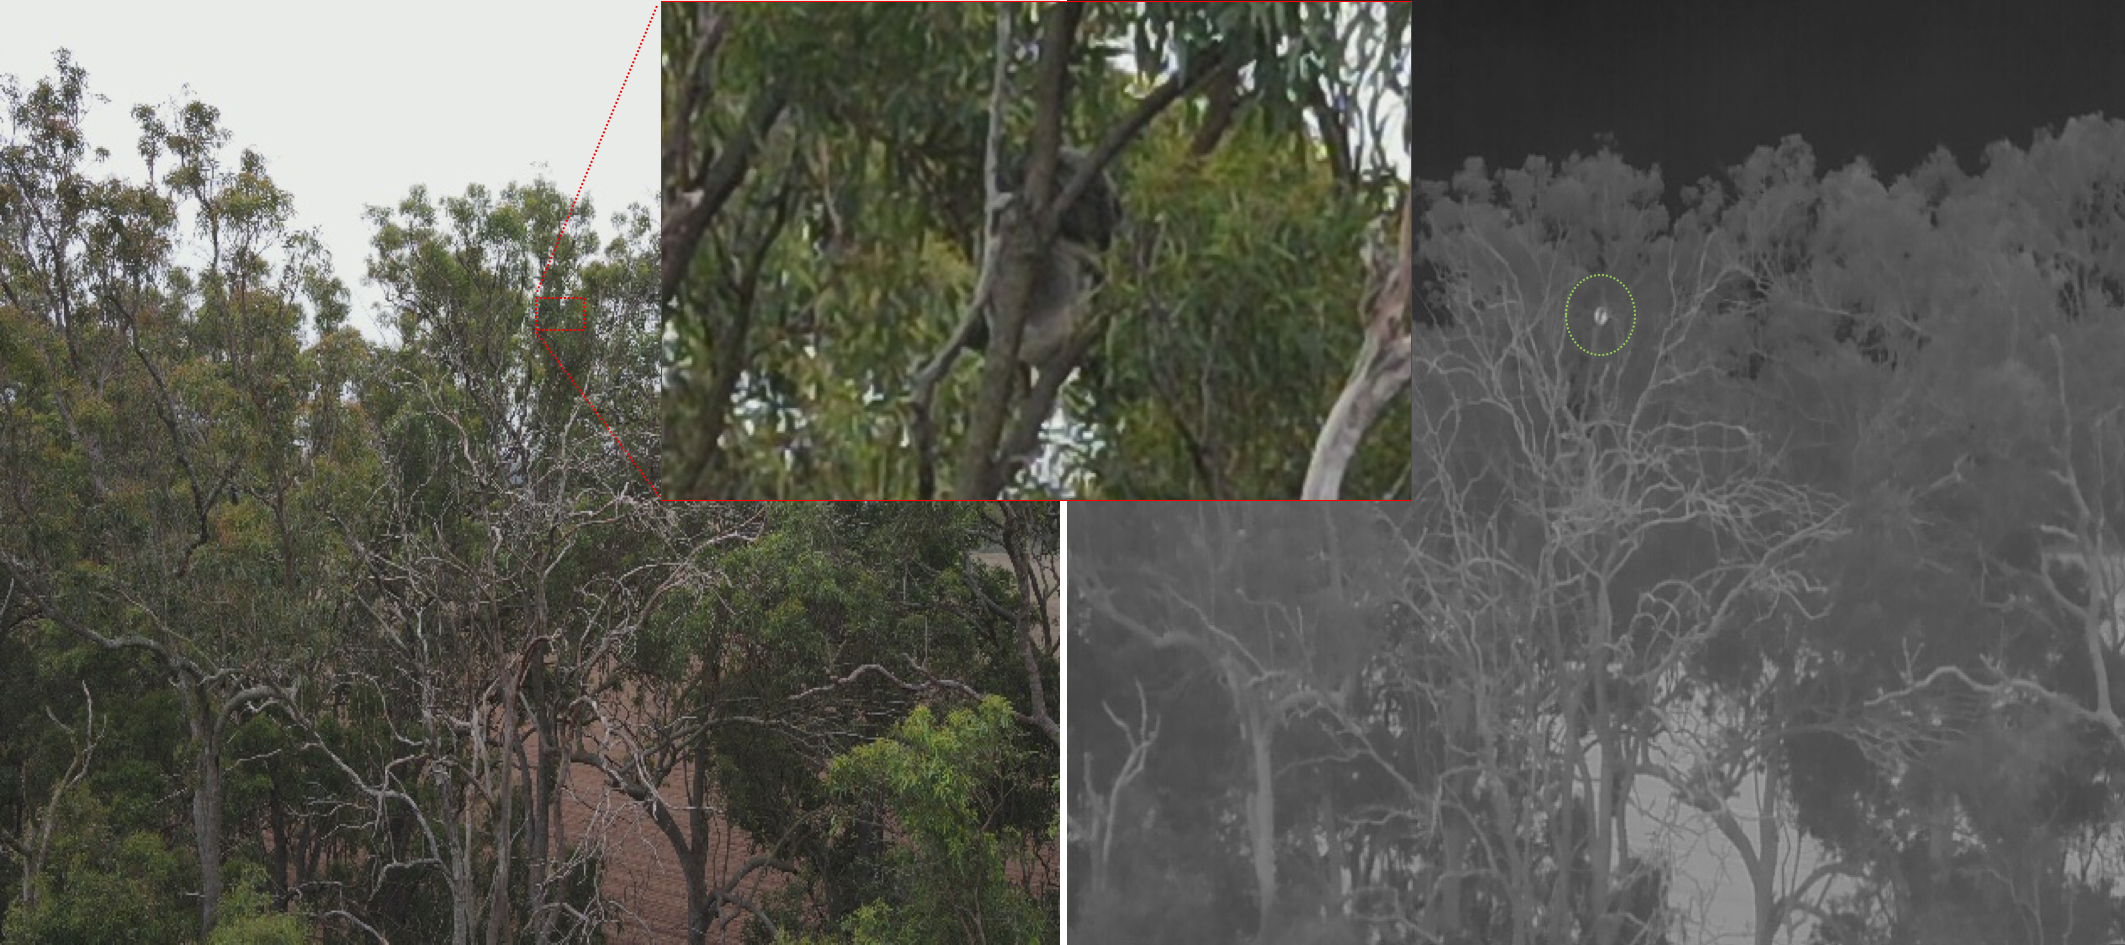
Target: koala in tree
<point>1069,272</point>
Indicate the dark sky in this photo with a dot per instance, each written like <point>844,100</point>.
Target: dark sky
<point>1695,86</point>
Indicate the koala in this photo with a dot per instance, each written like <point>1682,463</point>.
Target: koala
<point>1070,271</point>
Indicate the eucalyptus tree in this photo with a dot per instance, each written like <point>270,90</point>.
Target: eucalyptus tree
<point>505,551</point>
<point>171,437</point>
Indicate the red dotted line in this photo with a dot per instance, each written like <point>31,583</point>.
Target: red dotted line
<point>541,332</point>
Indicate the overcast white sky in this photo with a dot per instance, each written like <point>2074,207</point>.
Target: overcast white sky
<point>353,104</point>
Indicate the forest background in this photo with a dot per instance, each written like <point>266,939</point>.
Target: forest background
<point>305,636</point>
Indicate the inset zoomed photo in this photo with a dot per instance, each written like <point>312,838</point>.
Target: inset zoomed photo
<point>968,251</point>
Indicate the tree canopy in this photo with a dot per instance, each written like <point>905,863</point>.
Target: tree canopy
<point>311,637</point>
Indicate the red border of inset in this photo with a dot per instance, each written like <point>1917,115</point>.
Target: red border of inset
<point>1409,129</point>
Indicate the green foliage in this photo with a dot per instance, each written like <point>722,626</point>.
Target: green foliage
<point>323,618</point>
<point>99,886</point>
<point>1233,327</point>
<point>938,784</point>
<point>248,916</point>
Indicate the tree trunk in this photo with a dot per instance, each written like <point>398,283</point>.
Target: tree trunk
<point>207,793</point>
<point>1442,913</point>
<point>699,907</point>
<point>542,776</point>
<point>1261,812</point>
<point>1380,372</point>
<point>504,807</point>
